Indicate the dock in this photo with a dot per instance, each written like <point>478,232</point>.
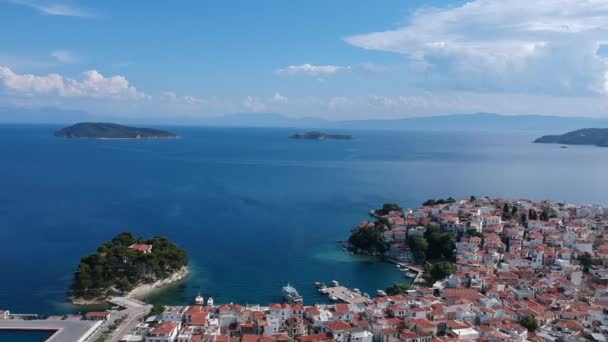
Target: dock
<point>418,270</point>
<point>346,295</point>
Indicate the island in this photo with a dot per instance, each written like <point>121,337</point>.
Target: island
<point>585,136</point>
<point>128,266</point>
<point>320,136</point>
<point>104,130</point>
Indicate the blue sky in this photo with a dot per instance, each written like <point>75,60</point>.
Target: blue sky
<point>339,59</point>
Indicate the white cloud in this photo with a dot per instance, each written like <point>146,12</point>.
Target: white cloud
<point>64,56</point>
<point>91,84</point>
<point>185,99</point>
<point>254,104</point>
<point>55,9</point>
<point>337,102</point>
<point>538,47</point>
<point>312,70</point>
<point>278,98</point>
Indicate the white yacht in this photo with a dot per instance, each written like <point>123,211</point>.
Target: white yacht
<point>199,300</point>
<point>291,295</point>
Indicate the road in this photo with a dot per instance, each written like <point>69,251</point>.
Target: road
<point>133,312</point>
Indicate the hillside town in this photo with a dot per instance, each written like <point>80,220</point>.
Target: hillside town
<point>524,271</point>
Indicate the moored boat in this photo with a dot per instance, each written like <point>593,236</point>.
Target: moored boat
<point>381,293</point>
<point>291,295</point>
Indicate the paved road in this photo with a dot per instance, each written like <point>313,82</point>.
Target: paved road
<point>133,312</point>
<point>134,315</point>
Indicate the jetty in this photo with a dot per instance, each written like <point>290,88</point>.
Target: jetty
<point>406,266</point>
<point>346,295</point>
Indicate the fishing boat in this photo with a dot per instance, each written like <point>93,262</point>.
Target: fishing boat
<point>411,275</point>
<point>335,283</point>
<point>357,291</point>
<point>320,285</point>
<point>381,293</point>
<point>366,295</point>
<point>334,298</point>
<point>291,295</point>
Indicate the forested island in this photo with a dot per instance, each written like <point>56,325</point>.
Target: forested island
<point>103,130</point>
<point>125,263</point>
<point>585,136</point>
<point>320,136</point>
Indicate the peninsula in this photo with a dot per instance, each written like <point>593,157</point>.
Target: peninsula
<point>129,266</point>
<point>585,136</point>
<point>102,130</point>
<point>320,136</point>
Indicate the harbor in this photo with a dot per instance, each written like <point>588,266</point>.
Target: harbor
<point>336,292</point>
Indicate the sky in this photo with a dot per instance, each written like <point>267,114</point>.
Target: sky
<point>338,59</point>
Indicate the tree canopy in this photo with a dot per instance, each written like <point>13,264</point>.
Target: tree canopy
<point>529,322</point>
<point>369,240</point>
<point>397,289</point>
<point>438,201</point>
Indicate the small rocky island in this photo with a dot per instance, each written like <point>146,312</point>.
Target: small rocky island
<point>103,130</point>
<point>320,136</point>
<point>129,266</point>
<point>585,136</point>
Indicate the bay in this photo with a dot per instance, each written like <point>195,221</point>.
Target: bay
<point>254,209</point>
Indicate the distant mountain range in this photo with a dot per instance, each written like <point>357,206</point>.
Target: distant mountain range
<point>454,122</point>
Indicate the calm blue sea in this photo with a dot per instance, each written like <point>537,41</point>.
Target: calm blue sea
<point>254,209</point>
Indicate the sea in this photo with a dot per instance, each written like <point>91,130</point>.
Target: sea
<point>254,209</point>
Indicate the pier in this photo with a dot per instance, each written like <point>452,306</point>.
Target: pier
<point>346,295</point>
<point>403,265</point>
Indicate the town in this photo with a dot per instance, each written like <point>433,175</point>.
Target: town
<point>522,271</point>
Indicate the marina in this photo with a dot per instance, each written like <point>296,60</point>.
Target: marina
<point>344,294</point>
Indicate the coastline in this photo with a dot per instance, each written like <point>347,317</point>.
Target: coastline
<point>141,138</point>
<point>143,290</point>
<point>139,292</point>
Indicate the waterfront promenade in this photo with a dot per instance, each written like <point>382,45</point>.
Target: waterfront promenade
<point>65,330</point>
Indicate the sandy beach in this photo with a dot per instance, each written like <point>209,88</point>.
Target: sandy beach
<point>143,290</point>
<point>140,292</point>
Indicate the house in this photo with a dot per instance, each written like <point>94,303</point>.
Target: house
<point>163,332</point>
<point>141,247</point>
<point>340,330</point>
<point>360,335</point>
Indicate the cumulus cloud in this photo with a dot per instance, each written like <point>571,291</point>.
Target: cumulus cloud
<point>64,56</point>
<point>312,70</point>
<point>54,8</point>
<point>254,104</point>
<point>185,99</point>
<point>543,46</point>
<point>91,84</point>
